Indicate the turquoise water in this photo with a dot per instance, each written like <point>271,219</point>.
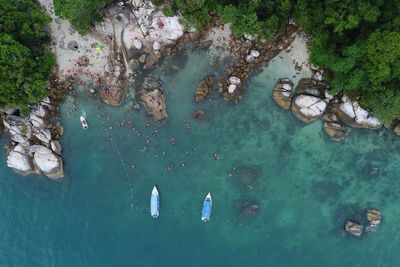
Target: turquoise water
<point>305,184</point>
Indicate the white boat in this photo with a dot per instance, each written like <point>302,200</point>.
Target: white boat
<point>206,210</point>
<point>155,203</point>
<point>84,123</point>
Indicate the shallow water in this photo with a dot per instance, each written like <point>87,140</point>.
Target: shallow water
<point>305,184</point>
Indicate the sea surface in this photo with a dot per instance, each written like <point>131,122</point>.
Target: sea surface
<point>305,185</point>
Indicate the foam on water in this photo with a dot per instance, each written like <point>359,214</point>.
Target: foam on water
<point>307,185</point>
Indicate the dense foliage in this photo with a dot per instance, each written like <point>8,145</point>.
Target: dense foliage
<point>24,65</point>
<point>80,12</point>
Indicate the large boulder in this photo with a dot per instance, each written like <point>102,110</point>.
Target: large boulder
<point>204,89</point>
<point>353,228</point>
<point>47,162</point>
<point>282,93</point>
<point>20,160</point>
<point>308,108</point>
<point>309,104</point>
<point>37,121</point>
<point>354,115</point>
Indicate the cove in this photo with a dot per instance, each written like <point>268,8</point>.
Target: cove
<point>305,185</point>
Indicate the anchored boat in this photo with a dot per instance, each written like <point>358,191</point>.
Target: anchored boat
<point>84,123</point>
<point>206,210</point>
<point>155,203</point>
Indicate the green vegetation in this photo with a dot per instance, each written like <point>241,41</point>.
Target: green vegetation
<point>24,64</point>
<point>81,13</point>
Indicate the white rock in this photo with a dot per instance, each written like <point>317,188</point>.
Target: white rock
<point>37,121</point>
<point>254,53</point>
<point>310,106</point>
<point>47,162</point>
<point>318,76</point>
<point>39,111</point>
<point>232,88</point>
<point>43,135</point>
<point>156,46</point>
<point>137,44</point>
<point>20,160</point>
<point>249,58</point>
<point>19,138</point>
<point>328,95</point>
<point>234,80</point>
<point>56,146</point>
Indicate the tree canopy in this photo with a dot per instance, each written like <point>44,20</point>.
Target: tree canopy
<point>24,64</point>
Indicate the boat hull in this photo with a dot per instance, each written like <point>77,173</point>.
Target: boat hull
<point>207,207</point>
<point>155,203</point>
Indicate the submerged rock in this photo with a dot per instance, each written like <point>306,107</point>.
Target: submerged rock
<point>244,176</point>
<point>247,208</point>
<point>282,93</point>
<point>200,114</point>
<point>335,131</point>
<point>353,228</point>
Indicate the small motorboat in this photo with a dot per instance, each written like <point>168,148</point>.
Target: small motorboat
<point>155,203</point>
<point>206,210</point>
<point>84,123</point>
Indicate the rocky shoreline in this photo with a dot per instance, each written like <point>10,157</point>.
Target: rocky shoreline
<point>311,100</point>
<point>34,146</point>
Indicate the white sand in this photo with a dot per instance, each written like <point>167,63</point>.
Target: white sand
<point>67,59</point>
<point>298,53</point>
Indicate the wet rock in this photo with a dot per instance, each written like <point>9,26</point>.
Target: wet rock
<point>353,228</point>
<point>335,131</point>
<point>374,217</point>
<point>20,160</point>
<point>204,89</point>
<point>142,58</point>
<point>396,129</point>
<point>47,162</point>
<point>282,93</point>
<point>152,98</point>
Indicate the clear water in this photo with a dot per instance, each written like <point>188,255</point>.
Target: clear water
<point>308,185</point>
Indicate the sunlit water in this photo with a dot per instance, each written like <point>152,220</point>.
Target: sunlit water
<point>307,186</point>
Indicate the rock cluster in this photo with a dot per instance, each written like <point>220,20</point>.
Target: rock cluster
<point>373,217</point>
<point>153,100</point>
<point>312,101</point>
<point>246,57</point>
<point>34,147</point>
<point>204,89</point>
